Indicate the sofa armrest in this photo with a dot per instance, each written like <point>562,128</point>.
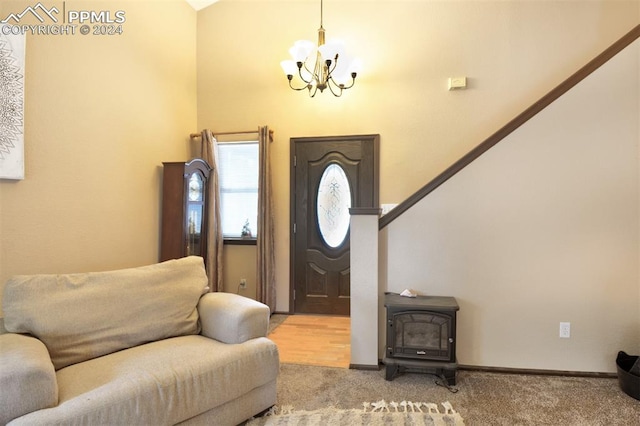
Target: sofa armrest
<point>27,377</point>
<point>230,318</point>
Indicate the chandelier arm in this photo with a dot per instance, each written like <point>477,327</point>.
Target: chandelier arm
<point>300,74</point>
<point>336,86</point>
<point>342,86</point>
<point>330,69</point>
<point>298,88</point>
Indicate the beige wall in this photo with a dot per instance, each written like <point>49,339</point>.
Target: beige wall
<point>101,114</point>
<point>240,262</point>
<point>512,53</point>
<point>541,229</point>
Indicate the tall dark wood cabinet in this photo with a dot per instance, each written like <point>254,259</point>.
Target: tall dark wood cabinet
<point>184,209</point>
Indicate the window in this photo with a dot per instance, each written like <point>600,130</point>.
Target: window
<point>238,174</point>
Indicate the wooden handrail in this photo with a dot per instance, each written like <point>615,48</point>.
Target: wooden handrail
<point>512,125</point>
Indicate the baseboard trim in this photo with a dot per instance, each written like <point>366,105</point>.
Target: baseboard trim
<point>536,372</point>
<point>364,367</point>
<point>530,371</point>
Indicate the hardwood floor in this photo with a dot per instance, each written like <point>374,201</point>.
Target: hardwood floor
<point>314,340</point>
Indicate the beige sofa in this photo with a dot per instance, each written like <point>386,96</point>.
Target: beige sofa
<point>144,345</point>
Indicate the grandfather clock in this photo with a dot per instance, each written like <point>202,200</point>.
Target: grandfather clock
<point>184,209</point>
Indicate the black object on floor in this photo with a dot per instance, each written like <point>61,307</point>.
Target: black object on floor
<point>628,379</point>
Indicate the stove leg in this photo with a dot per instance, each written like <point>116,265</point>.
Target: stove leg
<point>390,371</point>
<point>450,376</point>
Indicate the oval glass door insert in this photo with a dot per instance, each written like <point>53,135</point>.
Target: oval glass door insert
<point>333,203</point>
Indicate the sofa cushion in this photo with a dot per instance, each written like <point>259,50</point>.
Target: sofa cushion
<point>27,377</point>
<point>160,383</point>
<point>83,316</point>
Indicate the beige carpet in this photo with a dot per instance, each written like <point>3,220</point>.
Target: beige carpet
<point>482,398</point>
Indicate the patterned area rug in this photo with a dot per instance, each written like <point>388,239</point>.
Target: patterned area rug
<point>376,413</point>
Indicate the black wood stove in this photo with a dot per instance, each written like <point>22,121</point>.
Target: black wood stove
<point>421,335</point>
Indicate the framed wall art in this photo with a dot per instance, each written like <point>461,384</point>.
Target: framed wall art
<point>12,54</point>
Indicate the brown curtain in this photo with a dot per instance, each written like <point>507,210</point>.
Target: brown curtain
<point>265,280</point>
<point>213,262</point>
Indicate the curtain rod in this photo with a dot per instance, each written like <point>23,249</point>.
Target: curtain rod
<point>197,135</point>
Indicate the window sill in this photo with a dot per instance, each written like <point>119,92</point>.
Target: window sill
<point>240,241</point>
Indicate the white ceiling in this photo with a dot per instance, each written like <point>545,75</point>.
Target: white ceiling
<point>200,4</point>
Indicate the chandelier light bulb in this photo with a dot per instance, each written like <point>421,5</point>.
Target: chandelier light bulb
<point>301,50</point>
<point>356,66</point>
<point>332,50</point>
<point>290,68</point>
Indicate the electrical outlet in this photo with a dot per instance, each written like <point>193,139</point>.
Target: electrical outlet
<point>565,330</point>
<point>243,283</point>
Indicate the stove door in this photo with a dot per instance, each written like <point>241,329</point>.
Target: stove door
<point>421,335</point>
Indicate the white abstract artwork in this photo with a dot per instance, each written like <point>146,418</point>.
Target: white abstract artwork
<point>12,51</point>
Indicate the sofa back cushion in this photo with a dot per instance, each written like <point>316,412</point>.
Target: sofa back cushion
<point>83,316</point>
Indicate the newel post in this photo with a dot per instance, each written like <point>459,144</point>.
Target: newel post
<point>364,287</point>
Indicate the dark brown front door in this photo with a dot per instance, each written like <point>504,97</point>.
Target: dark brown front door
<point>328,176</point>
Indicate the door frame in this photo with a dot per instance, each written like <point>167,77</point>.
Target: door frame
<point>292,188</point>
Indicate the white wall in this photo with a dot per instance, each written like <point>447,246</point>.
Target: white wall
<point>364,289</point>
<point>542,228</point>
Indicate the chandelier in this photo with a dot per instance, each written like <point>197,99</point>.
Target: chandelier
<point>321,67</point>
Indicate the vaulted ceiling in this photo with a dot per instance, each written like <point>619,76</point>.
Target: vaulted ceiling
<point>200,4</point>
